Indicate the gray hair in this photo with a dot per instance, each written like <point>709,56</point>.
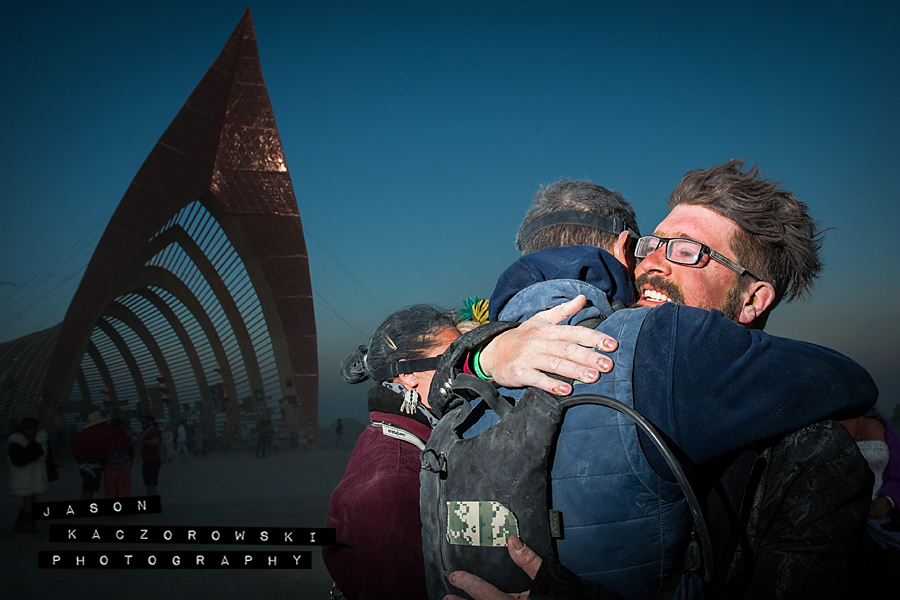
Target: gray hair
<point>778,240</point>
<point>405,335</point>
<point>567,194</point>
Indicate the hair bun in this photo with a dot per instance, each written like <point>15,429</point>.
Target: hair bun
<point>353,367</point>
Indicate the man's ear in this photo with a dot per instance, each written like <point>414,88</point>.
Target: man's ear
<point>758,299</point>
<point>623,250</point>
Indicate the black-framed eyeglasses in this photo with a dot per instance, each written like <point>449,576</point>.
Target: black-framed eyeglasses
<point>685,252</point>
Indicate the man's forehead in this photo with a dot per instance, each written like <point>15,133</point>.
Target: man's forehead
<point>697,223</point>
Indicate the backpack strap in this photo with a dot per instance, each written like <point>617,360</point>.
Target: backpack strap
<point>486,390</point>
<point>441,396</point>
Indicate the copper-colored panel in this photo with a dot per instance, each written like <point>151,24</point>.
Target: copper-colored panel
<point>248,192</point>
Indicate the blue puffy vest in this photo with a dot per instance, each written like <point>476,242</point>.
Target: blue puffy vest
<point>624,526</point>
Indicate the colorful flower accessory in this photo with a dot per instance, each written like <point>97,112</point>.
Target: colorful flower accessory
<point>475,309</point>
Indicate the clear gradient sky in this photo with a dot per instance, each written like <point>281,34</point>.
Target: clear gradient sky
<point>416,132</point>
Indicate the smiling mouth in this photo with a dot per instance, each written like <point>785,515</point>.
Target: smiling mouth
<point>654,296</point>
<point>654,290</point>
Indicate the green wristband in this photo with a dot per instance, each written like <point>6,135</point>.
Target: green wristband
<point>476,364</point>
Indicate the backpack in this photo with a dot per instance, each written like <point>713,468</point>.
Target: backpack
<point>468,517</point>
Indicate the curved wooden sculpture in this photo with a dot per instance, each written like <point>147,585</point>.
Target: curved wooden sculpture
<point>205,252</point>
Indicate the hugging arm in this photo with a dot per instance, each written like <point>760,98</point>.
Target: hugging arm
<point>731,387</point>
<point>521,357</point>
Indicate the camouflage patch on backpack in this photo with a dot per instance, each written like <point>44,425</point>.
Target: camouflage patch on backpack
<point>480,523</point>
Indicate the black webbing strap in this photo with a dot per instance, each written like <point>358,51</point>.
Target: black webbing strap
<point>573,217</point>
<point>486,390</point>
<point>593,322</point>
<point>405,366</point>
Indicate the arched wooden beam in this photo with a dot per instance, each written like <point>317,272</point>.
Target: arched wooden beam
<point>158,277</point>
<point>186,342</point>
<point>95,356</point>
<point>130,362</point>
<point>87,402</point>
<point>130,320</point>
<point>177,235</point>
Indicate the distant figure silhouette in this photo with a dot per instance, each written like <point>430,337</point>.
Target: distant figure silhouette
<point>182,442</point>
<point>263,440</point>
<point>339,435</point>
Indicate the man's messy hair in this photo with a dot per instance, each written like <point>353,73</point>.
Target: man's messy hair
<point>778,240</point>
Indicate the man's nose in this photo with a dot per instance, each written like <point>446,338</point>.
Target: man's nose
<point>655,262</point>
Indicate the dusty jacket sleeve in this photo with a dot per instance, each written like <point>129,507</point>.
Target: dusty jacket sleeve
<point>714,387</point>
<point>806,525</point>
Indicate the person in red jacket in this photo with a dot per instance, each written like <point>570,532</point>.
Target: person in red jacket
<point>101,448</point>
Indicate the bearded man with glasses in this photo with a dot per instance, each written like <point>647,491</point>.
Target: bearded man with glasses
<point>797,498</point>
<point>737,243</point>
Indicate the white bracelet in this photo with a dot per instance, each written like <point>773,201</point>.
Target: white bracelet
<point>890,501</point>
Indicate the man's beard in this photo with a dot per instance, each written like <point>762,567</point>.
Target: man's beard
<point>731,306</point>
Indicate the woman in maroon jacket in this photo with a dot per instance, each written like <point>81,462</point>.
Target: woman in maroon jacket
<point>375,507</point>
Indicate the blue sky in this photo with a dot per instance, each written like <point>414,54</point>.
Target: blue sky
<point>416,133</point>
